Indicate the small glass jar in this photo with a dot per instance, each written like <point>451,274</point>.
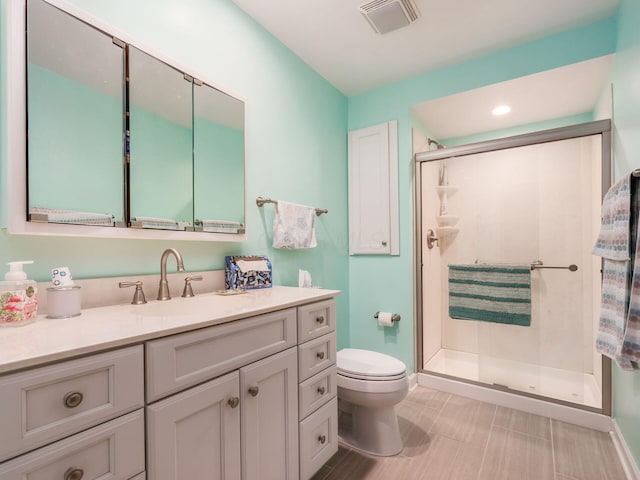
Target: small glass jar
<point>63,302</point>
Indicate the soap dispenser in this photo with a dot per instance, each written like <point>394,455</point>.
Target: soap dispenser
<point>18,297</point>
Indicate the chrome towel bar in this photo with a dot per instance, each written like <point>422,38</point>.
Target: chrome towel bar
<point>538,264</point>
<point>260,201</point>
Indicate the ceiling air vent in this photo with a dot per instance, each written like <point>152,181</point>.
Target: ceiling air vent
<point>387,15</point>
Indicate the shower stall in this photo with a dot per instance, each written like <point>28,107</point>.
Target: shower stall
<point>530,202</point>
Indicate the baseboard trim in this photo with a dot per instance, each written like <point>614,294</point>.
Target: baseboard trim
<point>626,457</point>
<point>563,413</point>
<point>413,381</point>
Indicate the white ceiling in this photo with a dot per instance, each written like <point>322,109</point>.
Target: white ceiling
<point>561,92</point>
<point>335,39</point>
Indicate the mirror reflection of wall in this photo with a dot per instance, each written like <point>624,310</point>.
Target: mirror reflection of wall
<point>75,119</point>
<point>218,158</point>
<point>161,169</point>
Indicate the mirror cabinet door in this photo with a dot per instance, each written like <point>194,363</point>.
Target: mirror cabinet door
<point>75,120</point>
<point>218,160</point>
<point>161,137</point>
<point>119,137</point>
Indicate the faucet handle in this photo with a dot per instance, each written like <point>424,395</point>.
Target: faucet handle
<point>188,291</point>
<point>138,295</point>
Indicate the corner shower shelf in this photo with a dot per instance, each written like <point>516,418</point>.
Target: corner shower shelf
<point>448,189</point>
<point>447,220</point>
<point>446,231</point>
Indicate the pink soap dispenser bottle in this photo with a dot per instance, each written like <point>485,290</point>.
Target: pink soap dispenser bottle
<point>18,297</point>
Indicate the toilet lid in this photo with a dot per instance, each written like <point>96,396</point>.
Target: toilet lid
<point>365,363</point>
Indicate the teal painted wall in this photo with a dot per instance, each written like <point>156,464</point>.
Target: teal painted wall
<point>626,107</point>
<point>296,147</point>
<point>386,283</point>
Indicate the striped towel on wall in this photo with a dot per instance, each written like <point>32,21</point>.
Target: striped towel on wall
<point>491,293</point>
<point>618,334</point>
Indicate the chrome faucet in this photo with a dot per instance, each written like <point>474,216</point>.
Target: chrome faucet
<point>163,291</point>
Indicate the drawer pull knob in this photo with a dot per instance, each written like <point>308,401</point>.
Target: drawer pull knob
<point>233,402</point>
<point>320,355</point>
<point>253,391</point>
<point>73,473</point>
<point>72,400</point>
<point>321,390</point>
<point>322,439</point>
<point>320,319</point>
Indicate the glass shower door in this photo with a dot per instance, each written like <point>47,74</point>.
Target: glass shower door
<point>534,205</point>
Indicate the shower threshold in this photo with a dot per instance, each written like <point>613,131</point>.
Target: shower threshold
<point>566,385</point>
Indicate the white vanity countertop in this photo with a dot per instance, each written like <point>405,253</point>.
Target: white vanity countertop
<point>102,328</point>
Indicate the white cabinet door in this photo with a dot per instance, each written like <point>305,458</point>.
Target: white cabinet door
<point>269,394</point>
<point>196,434</point>
<point>373,190</point>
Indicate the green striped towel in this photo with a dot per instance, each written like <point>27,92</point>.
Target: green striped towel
<point>491,293</point>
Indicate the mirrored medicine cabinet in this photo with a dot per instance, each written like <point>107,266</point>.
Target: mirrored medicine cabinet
<point>119,140</point>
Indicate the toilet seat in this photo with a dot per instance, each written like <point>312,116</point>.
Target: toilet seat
<point>368,365</point>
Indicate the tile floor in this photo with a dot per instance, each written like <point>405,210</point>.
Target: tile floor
<point>450,437</point>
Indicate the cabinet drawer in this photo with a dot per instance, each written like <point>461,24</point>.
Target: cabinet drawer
<point>44,404</point>
<point>316,320</point>
<point>112,450</point>
<point>177,362</point>
<point>318,439</point>
<point>317,390</point>
<point>316,355</point>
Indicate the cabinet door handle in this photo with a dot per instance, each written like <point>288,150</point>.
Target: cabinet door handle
<point>253,391</point>
<point>72,400</point>
<point>384,243</point>
<point>320,319</point>
<point>320,355</point>
<point>73,473</point>
<point>321,390</point>
<point>322,439</point>
<point>233,402</point>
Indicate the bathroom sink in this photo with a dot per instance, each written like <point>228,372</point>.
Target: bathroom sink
<point>201,306</point>
<point>170,308</point>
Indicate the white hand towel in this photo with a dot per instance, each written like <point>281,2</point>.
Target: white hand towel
<point>293,226</point>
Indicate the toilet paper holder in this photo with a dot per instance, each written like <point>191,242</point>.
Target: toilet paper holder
<point>394,317</point>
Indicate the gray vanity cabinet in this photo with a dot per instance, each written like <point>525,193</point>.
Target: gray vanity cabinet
<point>251,398</point>
<point>243,424</point>
<point>198,433</point>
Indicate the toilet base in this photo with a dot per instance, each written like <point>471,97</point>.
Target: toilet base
<point>371,430</point>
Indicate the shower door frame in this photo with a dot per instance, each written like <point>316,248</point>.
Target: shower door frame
<point>600,127</point>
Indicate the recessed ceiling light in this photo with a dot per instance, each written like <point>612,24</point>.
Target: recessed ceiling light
<point>501,110</point>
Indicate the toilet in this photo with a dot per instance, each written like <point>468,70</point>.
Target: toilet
<point>370,384</point>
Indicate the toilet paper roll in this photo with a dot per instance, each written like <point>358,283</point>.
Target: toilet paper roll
<point>384,319</point>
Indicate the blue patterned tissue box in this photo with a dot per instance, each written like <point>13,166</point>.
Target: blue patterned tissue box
<point>247,272</point>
